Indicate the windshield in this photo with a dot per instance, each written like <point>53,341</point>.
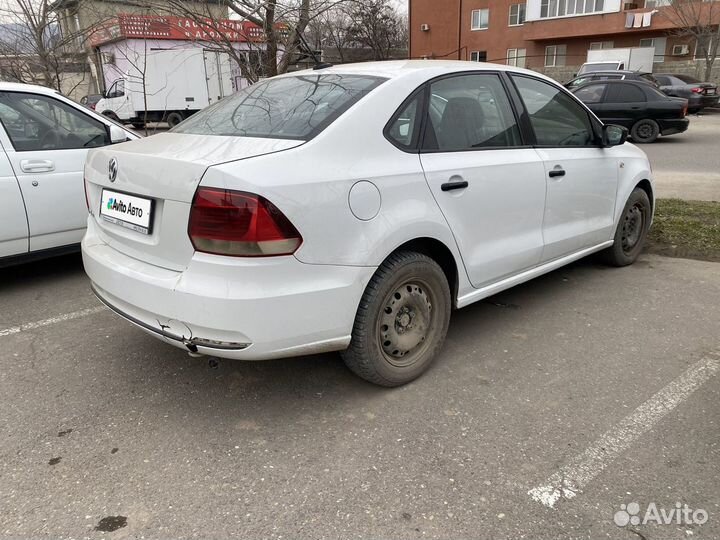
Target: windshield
<point>600,66</point>
<point>282,108</point>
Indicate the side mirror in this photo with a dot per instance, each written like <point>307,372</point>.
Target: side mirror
<point>613,135</point>
<point>117,134</point>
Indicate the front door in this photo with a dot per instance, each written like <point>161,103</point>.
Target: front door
<point>47,150</point>
<point>490,187</point>
<point>581,176</point>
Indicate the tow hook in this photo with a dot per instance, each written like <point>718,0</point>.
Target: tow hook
<point>192,350</point>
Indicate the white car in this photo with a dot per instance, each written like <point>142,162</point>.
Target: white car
<point>352,208</point>
<point>45,138</point>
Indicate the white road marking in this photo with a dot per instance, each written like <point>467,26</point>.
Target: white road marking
<point>54,320</point>
<point>583,468</point>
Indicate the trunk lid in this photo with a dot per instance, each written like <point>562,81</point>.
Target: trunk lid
<point>166,169</point>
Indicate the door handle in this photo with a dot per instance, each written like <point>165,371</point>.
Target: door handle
<point>37,165</point>
<point>450,186</point>
<point>556,173</point>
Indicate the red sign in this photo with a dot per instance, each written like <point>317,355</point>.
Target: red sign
<point>180,28</point>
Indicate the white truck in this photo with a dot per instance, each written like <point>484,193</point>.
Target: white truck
<point>166,85</point>
<point>630,58</point>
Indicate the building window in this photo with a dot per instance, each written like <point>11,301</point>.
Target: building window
<point>480,19</point>
<point>516,57</point>
<point>517,15</point>
<point>555,55</point>
<point>652,4</point>
<point>597,45</point>
<point>478,56</point>
<point>564,8</point>
<point>658,44</point>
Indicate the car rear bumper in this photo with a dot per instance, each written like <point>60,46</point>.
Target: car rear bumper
<point>700,101</point>
<point>670,126</point>
<point>245,309</point>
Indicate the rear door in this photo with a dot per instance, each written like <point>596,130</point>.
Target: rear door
<point>13,219</point>
<point>46,147</point>
<point>581,177</point>
<point>489,185</point>
<point>624,104</point>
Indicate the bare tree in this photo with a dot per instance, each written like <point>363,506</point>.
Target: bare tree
<point>283,24</point>
<point>699,20</point>
<point>34,50</point>
<point>377,25</point>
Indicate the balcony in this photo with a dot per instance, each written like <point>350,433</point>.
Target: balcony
<point>600,24</point>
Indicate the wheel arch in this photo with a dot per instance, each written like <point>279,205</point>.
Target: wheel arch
<point>441,254</point>
<point>646,186</point>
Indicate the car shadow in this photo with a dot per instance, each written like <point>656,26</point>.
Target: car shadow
<point>44,270</point>
<point>298,389</point>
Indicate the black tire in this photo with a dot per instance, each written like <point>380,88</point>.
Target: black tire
<point>112,116</point>
<point>409,291</point>
<point>695,110</point>
<point>138,125</point>
<point>174,118</point>
<point>631,231</point>
<point>645,131</point>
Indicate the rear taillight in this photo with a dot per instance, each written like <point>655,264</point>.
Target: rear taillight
<point>697,90</point>
<point>239,224</point>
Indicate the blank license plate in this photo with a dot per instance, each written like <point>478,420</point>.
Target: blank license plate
<point>129,211</point>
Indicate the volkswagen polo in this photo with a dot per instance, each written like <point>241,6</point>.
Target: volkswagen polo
<point>352,208</point>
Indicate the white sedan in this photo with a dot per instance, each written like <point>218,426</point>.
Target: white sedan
<point>45,139</point>
<point>352,208</point>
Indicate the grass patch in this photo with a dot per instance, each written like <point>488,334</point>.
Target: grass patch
<point>689,229</point>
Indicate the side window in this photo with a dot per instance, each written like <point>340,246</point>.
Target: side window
<point>404,129</point>
<point>117,89</point>
<point>469,112</point>
<point>43,123</point>
<point>665,81</point>
<point>592,93</point>
<point>556,118</point>
<point>625,93</point>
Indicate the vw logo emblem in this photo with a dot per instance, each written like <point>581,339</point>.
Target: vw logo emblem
<point>112,170</point>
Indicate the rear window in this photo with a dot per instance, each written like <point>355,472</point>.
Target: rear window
<point>282,108</point>
<point>649,78</point>
<point>687,79</point>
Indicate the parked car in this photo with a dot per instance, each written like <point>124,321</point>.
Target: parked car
<point>45,138</point>
<point>699,94</point>
<point>620,75</point>
<point>644,110</point>
<point>91,100</point>
<point>352,208</point>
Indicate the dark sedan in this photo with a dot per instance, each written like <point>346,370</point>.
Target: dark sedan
<point>644,110</point>
<point>699,94</point>
<point>620,75</point>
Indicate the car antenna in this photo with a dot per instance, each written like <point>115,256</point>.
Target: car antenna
<point>312,53</point>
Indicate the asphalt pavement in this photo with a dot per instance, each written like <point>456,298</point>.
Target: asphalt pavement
<point>552,405</point>
<point>687,165</point>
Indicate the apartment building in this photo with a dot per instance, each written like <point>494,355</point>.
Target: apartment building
<point>551,36</point>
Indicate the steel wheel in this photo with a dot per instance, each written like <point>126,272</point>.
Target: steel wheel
<point>404,324</point>
<point>631,231</point>
<point>401,321</point>
<point>632,227</point>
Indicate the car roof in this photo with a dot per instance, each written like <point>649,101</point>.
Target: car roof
<point>615,71</point>
<point>22,87</point>
<point>392,69</point>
